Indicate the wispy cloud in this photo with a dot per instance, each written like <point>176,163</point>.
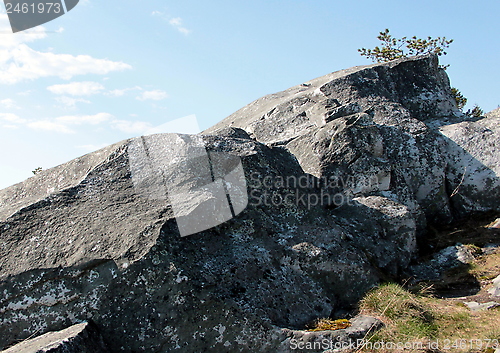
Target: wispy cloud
<point>12,118</point>
<point>131,127</point>
<point>121,92</point>
<point>60,124</point>
<point>48,125</point>
<point>18,62</point>
<point>176,22</point>
<point>66,124</point>
<point>77,88</point>
<point>155,95</point>
<point>84,119</point>
<point>71,102</point>
<point>8,103</point>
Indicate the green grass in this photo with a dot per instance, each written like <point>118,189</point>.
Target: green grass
<point>417,317</point>
<point>408,317</point>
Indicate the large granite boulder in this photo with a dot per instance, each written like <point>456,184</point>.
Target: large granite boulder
<point>106,246</point>
<point>287,211</point>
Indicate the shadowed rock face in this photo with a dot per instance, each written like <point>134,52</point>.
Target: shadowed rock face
<point>342,174</point>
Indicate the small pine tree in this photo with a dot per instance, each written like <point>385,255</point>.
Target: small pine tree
<point>459,98</point>
<point>395,48</point>
<point>475,112</point>
<point>37,170</point>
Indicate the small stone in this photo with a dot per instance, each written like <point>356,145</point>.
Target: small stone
<point>495,224</point>
<point>475,306</point>
<point>495,290</point>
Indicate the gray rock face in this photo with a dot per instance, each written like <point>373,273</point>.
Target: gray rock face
<point>474,164</point>
<point>295,206</point>
<point>80,338</point>
<point>123,263</point>
<point>495,113</point>
<point>392,129</point>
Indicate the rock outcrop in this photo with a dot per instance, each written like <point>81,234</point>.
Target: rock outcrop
<point>233,240</point>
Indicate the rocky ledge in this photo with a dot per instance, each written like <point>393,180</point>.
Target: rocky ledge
<point>287,211</point>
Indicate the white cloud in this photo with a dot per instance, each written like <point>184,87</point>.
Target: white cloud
<point>24,63</point>
<point>183,30</point>
<point>65,124</point>
<point>131,127</point>
<point>177,24</point>
<point>176,21</point>
<point>47,125</point>
<point>84,119</point>
<point>18,62</point>
<point>92,148</point>
<point>8,103</point>
<point>12,118</point>
<point>61,124</point>
<point>155,95</point>
<point>71,102</point>
<point>121,92</point>
<point>77,88</point>
<point>118,92</point>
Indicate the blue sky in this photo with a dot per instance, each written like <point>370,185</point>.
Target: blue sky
<point>110,70</point>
